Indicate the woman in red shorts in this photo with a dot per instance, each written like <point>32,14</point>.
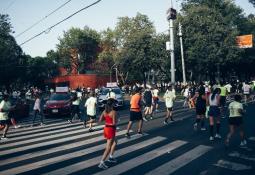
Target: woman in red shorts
<point>110,117</point>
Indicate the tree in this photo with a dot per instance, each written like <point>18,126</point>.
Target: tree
<point>134,37</point>
<point>209,36</point>
<point>10,54</point>
<point>253,2</point>
<point>86,41</point>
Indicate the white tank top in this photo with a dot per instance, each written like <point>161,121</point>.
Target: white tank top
<point>213,102</point>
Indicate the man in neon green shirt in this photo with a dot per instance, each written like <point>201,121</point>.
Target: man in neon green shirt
<point>235,119</point>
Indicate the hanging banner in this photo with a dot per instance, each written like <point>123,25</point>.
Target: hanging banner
<point>244,41</point>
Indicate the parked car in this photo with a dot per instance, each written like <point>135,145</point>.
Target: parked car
<point>102,97</point>
<point>58,104</point>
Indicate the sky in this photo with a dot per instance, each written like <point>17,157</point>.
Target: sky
<point>25,13</point>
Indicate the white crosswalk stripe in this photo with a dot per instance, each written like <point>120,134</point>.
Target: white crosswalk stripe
<point>180,161</point>
<point>125,166</point>
<point>88,163</point>
<point>40,148</point>
<point>232,165</point>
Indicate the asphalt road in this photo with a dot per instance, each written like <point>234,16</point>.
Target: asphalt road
<point>63,148</point>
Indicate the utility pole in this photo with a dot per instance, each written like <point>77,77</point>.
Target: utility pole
<point>171,17</point>
<point>182,55</point>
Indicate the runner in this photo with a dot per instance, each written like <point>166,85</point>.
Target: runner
<point>200,109</point>
<point>110,117</point>
<point>147,98</point>
<point>169,97</point>
<point>75,108</point>
<point>155,93</point>
<point>37,109</point>
<point>91,110</point>
<point>236,112</point>
<point>185,93</point>
<point>223,95</point>
<point>246,91</point>
<point>5,107</point>
<point>135,112</point>
<point>214,113</point>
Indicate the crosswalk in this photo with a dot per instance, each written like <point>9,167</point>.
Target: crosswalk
<point>62,148</point>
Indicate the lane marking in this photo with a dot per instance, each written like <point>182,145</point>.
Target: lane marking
<point>132,163</point>
<point>232,165</point>
<point>179,162</point>
<point>241,156</point>
<point>95,161</point>
<point>56,149</point>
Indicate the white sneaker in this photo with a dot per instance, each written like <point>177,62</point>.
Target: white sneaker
<point>103,166</point>
<point>144,119</point>
<point>17,126</point>
<point>243,143</point>
<point>203,129</point>
<point>4,138</point>
<point>195,126</point>
<point>218,136</point>
<point>165,123</point>
<point>211,138</point>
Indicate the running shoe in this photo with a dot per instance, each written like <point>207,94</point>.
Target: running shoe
<point>112,160</point>
<point>139,133</point>
<point>4,138</point>
<point>144,119</point>
<point>243,143</point>
<point>69,121</point>
<point>127,135</point>
<point>151,118</point>
<point>195,126</point>
<point>203,129</point>
<point>42,124</point>
<point>103,166</point>
<point>172,120</point>
<point>218,136</point>
<point>165,122</point>
<point>17,126</point>
<point>211,138</point>
<point>91,130</point>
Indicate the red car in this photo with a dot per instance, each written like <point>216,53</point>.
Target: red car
<point>59,104</point>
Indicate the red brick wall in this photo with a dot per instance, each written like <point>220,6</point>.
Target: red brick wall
<point>86,80</point>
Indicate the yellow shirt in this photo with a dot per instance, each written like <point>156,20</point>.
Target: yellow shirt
<point>234,109</point>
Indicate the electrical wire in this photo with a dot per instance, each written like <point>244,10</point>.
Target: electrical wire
<point>32,26</point>
<point>10,5</point>
<point>49,29</point>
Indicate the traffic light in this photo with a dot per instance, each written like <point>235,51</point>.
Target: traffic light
<point>171,14</point>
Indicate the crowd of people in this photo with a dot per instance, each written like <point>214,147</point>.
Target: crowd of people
<point>208,100</point>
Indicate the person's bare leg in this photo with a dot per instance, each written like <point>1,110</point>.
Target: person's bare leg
<point>129,126</point>
<point>140,125</point>
<point>107,149</point>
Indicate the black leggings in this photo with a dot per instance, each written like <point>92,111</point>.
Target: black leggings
<point>36,112</point>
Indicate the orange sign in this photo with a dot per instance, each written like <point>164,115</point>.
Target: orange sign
<point>244,41</point>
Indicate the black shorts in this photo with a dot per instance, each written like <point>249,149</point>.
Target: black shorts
<point>222,101</point>
<point>91,117</point>
<point>236,121</point>
<point>135,116</point>
<point>200,110</point>
<point>148,104</point>
<point>214,111</point>
<point>169,109</point>
<point>4,122</point>
<point>155,100</point>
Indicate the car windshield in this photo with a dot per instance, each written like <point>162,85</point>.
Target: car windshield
<point>59,97</point>
<point>106,90</point>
